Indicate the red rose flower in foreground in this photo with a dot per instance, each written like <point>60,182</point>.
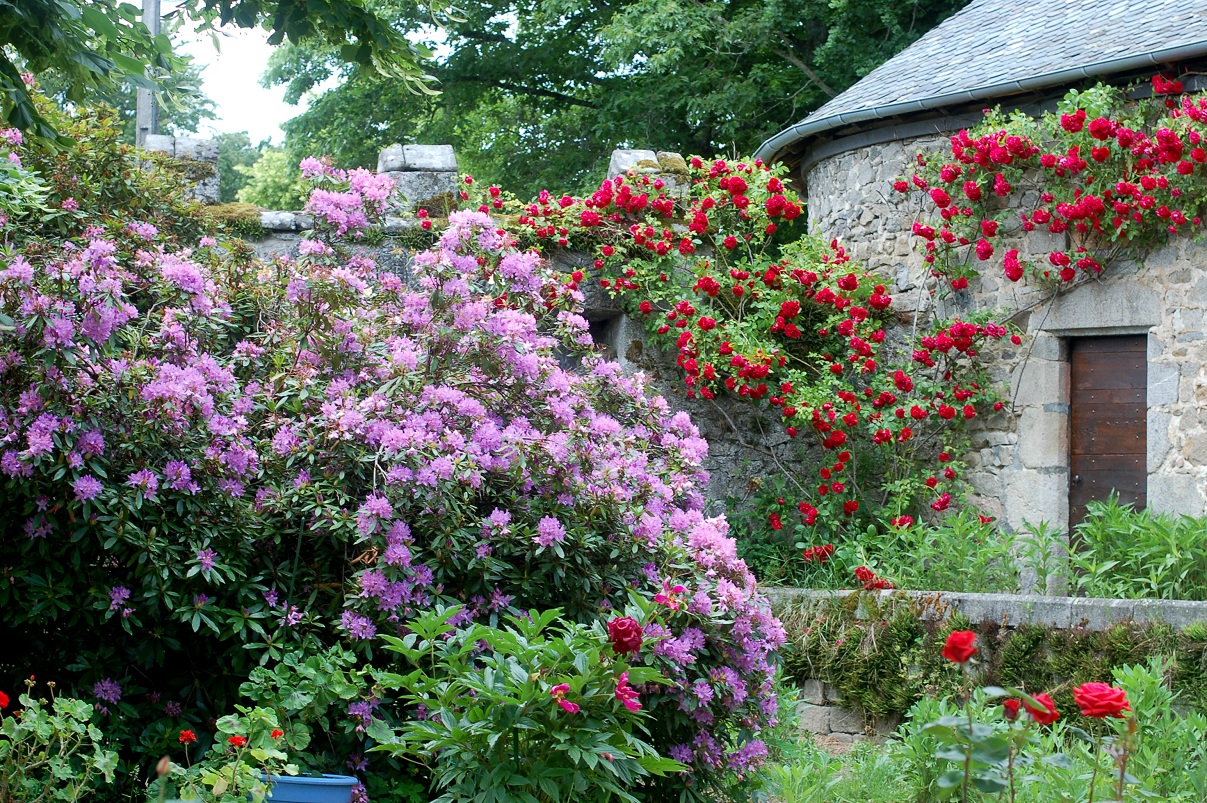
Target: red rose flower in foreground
<point>237,741</point>
<point>1099,700</point>
<point>1046,715</point>
<point>1010,709</point>
<point>960,646</point>
<point>625,635</point>
<point>187,737</point>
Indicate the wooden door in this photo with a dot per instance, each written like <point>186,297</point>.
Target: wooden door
<point>1108,413</point>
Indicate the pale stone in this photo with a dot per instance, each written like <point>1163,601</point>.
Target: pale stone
<point>844,720</point>
<point>1157,440</point>
<point>1162,383</point>
<point>812,692</point>
<point>199,150</point>
<point>1104,308</point>
<point>417,158</point>
<point>1179,494</point>
<point>161,143</point>
<point>414,189</point>
<point>813,718</point>
<point>624,160</point>
<point>1044,440</point>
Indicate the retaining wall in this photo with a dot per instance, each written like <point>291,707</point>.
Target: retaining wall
<point>820,709</point>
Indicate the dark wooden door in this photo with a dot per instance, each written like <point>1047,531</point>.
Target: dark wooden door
<point>1108,441</point>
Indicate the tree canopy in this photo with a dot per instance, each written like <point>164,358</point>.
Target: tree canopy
<point>95,45</point>
<point>563,82</point>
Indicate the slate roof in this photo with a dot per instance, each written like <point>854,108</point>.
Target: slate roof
<point>993,48</point>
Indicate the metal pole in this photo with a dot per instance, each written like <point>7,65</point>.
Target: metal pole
<point>146,115</point>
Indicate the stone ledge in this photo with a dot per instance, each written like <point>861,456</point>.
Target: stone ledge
<point>1016,609</point>
<point>276,221</point>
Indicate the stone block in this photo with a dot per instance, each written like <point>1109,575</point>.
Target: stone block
<point>844,720</point>
<point>1044,438</point>
<point>207,190</point>
<point>414,189</point>
<point>417,158</point>
<point>198,150</point>
<point>1195,450</point>
<point>1179,614</point>
<point>672,162</point>
<point>1033,497</point>
<point>1157,440</point>
<point>1050,611</point>
<point>833,697</point>
<point>160,143</point>
<point>1038,382</point>
<point>283,221</point>
<point>812,692</point>
<point>1162,384</point>
<point>1100,614</point>
<point>1179,494</point>
<point>813,718</point>
<point>1100,307</point>
<point>1048,347</point>
<point>624,160</point>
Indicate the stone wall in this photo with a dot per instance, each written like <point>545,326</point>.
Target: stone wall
<point>820,709</point>
<point>1020,462</point>
<point>199,156</point>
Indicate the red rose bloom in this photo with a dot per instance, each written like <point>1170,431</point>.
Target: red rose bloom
<point>960,646</point>
<point>1046,715</point>
<point>625,635</point>
<point>1099,700</point>
<point>187,737</point>
<point>1010,709</point>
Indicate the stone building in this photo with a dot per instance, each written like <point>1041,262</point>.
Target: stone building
<point>1070,436</point>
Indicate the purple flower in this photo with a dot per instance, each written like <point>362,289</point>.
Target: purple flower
<point>117,597</point>
<point>205,559</point>
<point>144,230</point>
<point>549,531</point>
<point>358,626</point>
<point>145,481</point>
<point>172,708</point>
<point>86,488</point>
<point>107,690</point>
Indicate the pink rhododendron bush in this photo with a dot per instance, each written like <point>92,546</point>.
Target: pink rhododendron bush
<point>212,463</point>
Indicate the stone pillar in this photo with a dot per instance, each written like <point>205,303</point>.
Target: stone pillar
<point>424,176</point>
<point>199,157</point>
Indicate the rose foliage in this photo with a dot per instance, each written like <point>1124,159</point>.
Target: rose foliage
<point>211,461</point>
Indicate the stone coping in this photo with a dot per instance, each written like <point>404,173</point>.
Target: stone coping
<point>1011,610</point>
<point>274,221</point>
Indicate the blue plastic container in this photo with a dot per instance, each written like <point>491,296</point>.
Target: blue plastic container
<point>312,789</point>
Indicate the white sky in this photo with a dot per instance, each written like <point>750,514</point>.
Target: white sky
<point>231,77</point>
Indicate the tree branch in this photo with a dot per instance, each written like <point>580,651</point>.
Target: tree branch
<point>524,90</point>
<point>796,61</point>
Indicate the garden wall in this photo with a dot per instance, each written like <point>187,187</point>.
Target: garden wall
<point>821,709</point>
<point>1020,463</point>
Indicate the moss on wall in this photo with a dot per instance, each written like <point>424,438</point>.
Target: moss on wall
<point>881,656</point>
<point>242,220</point>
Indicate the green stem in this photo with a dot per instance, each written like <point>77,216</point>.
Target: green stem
<point>1094,772</point>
